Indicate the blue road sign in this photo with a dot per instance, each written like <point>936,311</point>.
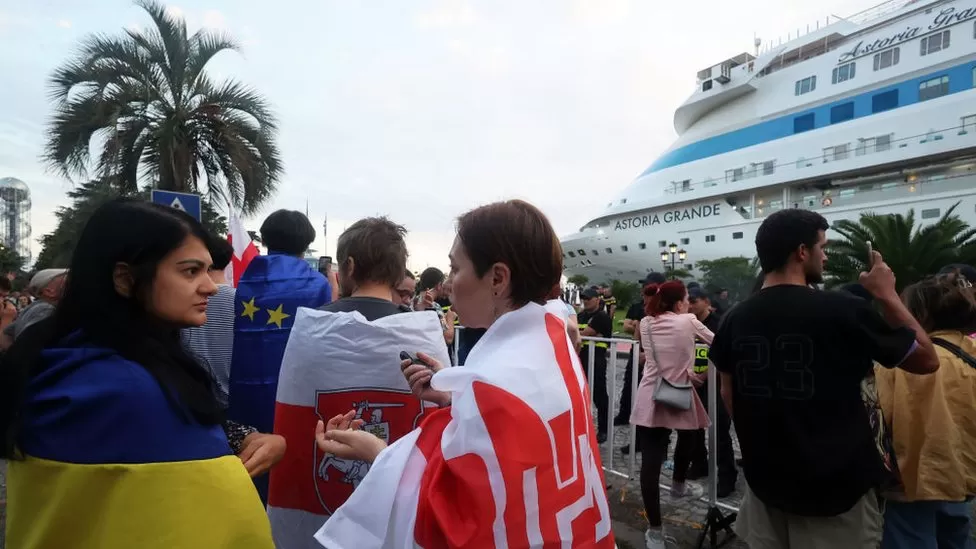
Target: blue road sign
<point>187,202</point>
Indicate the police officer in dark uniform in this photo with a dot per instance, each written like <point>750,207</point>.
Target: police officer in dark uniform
<point>701,307</point>
<point>594,322</point>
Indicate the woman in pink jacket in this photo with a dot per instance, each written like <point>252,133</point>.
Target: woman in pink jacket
<point>667,338</point>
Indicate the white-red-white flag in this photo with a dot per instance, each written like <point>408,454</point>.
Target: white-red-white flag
<point>333,363</point>
<point>244,248</point>
<point>513,463</point>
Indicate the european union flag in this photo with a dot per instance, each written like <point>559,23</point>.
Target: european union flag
<point>268,295</point>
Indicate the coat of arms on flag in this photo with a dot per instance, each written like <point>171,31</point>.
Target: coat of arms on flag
<point>388,414</point>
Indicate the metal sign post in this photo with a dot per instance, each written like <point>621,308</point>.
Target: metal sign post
<point>714,520</point>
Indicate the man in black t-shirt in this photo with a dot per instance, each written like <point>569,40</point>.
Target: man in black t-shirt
<point>792,359</point>
<point>594,322</point>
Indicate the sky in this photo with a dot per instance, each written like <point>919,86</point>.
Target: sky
<point>422,109</point>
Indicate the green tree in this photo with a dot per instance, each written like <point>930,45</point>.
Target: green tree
<point>678,273</point>
<point>579,280</point>
<point>735,274</point>
<point>913,252</point>
<point>58,246</point>
<point>10,261</point>
<point>145,102</point>
<point>627,293</point>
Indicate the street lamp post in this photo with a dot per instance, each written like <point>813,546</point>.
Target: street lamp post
<point>673,254</point>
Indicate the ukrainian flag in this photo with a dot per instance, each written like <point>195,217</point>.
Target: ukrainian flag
<point>112,462</point>
<point>268,296</point>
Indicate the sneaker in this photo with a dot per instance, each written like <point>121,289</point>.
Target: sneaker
<point>686,490</point>
<point>654,539</point>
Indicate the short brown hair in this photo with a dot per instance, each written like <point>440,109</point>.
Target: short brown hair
<point>517,234</point>
<point>378,250</point>
<point>943,302</point>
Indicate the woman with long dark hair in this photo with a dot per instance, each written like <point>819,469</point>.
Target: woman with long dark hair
<point>667,337</point>
<point>113,430</point>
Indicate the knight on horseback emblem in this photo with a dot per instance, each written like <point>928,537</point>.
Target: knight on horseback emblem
<point>387,414</point>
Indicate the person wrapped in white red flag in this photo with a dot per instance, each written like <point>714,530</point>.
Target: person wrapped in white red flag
<point>511,460</point>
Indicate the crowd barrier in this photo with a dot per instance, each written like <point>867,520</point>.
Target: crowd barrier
<point>632,472</point>
<point>619,349</point>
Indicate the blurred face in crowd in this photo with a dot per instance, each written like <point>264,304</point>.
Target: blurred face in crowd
<point>591,304</point>
<point>182,285</point>
<point>472,296</point>
<point>406,290</point>
<point>699,306</point>
<point>54,289</point>
<point>682,306</point>
<point>814,258</point>
<point>23,301</point>
<point>446,288</point>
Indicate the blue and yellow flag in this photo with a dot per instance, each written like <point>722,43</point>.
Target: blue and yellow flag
<point>268,295</point>
<point>112,463</point>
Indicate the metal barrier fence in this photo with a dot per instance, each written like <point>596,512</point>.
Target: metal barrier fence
<point>613,346</point>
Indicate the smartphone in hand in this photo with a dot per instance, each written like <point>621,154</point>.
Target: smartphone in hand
<point>870,255</point>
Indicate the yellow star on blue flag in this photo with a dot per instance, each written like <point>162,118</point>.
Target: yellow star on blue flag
<point>275,316</point>
<point>249,309</point>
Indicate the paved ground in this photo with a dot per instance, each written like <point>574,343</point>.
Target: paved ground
<point>683,519</point>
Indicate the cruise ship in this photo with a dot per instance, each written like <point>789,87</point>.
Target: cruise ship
<point>873,112</point>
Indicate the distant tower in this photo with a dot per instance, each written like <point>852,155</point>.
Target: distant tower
<point>15,225</point>
<point>325,234</point>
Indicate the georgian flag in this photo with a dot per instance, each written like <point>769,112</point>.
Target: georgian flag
<point>244,248</point>
<point>513,463</point>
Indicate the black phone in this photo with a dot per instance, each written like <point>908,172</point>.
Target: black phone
<point>325,264</point>
<point>414,360</point>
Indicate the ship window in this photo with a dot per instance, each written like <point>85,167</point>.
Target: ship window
<point>842,112</point>
<point>662,243</point>
<point>609,250</point>
<point>642,245</point>
<point>887,59</point>
<point>706,85</point>
<point>936,87</point>
<point>685,241</point>
<point>935,42</point>
<point>734,174</point>
<point>884,101</point>
<point>581,252</point>
<point>736,236</point>
<point>806,85</point>
<point>769,167</point>
<point>623,248</point>
<point>843,72</point>
<point>874,144</point>
<point>596,252</point>
<point>837,152</point>
<point>931,213</point>
<point>803,123</point>
<point>709,238</point>
<point>969,123</point>
<point>686,185</point>
<point>571,254</point>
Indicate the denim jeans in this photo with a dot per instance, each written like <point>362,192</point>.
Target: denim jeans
<point>927,525</point>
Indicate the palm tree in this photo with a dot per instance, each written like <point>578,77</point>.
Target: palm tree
<point>144,99</point>
<point>912,252</point>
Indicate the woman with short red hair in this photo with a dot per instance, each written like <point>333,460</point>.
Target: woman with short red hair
<point>666,400</point>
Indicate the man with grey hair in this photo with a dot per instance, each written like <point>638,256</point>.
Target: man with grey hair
<point>46,286</point>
